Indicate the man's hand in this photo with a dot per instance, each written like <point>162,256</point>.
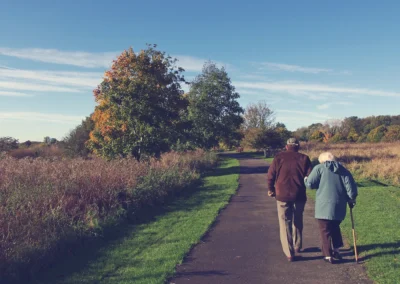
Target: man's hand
<point>271,194</point>
<point>352,203</point>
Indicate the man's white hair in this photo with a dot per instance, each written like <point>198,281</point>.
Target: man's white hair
<point>326,156</point>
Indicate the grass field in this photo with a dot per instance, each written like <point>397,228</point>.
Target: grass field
<point>148,253</point>
<point>372,161</point>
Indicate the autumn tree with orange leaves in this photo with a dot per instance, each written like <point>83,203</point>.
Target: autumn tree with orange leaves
<point>140,103</point>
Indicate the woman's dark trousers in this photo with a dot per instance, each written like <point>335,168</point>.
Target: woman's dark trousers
<point>330,235</point>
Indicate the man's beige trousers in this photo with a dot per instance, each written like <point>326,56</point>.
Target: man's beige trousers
<point>290,215</point>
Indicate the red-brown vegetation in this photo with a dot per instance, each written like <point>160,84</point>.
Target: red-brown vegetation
<point>44,202</point>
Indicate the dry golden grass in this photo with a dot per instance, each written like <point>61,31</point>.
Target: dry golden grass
<point>47,203</point>
<point>377,161</point>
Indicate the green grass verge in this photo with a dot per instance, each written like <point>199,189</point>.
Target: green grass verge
<point>377,225</point>
<point>148,253</point>
<point>257,155</point>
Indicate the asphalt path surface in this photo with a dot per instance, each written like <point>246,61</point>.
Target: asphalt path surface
<point>243,246</point>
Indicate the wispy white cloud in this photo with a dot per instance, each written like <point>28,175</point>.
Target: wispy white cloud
<point>328,105</point>
<point>80,79</point>
<point>260,95</point>
<point>324,106</point>
<point>37,116</point>
<point>294,68</point>
<point>293,88</point>
<point>6,67</point>
<point>34,87</point>
<point>15,80</point>
<point>346,72</point>
<point>75,58</point>
<point>295,119</point>
<point>307,113</point>
<point>251,92</point>
<point>14,94</point>
<point>190,63</point>
<point>91,59</point>
<point>195,64</point>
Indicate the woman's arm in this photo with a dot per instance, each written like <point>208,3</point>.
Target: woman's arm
<point>351,186</point>
<point>312,181</point>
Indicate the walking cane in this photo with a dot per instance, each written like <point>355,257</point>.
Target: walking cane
<point>354,234</point>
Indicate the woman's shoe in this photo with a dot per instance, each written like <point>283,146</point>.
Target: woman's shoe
<point>337,255</point>
<point>329,260</point>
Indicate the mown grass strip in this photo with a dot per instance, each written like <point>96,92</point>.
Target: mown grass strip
<point>148,253</point>
<point>377,225</point>
<point>257,155</point>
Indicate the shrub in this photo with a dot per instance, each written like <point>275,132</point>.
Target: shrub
<point>8,143</point>
<point>376,134</point>
<point>22,153</point>
<point>75,142</point>
<point>317,136</point>
<point>392,134</point>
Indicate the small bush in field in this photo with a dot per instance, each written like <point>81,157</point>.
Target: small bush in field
<point>44,203</point>
<point>23,153</point>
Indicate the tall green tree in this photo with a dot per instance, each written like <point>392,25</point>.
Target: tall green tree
<point>258,115</point>
<point>284,133</point>
<point>139,105</point>
<point>264,139</point>
<point>75,142</point>
<point>213,107</point>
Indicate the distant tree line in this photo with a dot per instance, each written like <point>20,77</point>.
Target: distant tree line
<point>382,128</point>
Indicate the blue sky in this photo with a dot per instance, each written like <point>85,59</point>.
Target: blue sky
<point>311,61</point>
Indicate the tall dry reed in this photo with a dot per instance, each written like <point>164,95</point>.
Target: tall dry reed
<point>378,161</point>
<point>47,202</point>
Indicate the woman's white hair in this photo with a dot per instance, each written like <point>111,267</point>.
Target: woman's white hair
<point>326,156</point>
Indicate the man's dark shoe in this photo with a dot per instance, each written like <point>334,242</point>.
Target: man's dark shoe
<point>336,255</point>
<point>293,258</point>
<point>329,260</point>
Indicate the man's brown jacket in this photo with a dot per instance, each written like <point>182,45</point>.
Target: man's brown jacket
<point>286,176</point>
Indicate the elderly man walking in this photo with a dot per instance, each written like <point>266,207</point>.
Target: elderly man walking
<point>286,183</point>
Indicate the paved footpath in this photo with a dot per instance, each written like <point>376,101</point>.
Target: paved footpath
<point>244,246</point>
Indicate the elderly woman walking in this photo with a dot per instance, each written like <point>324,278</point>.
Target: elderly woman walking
<point>335,189</point>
